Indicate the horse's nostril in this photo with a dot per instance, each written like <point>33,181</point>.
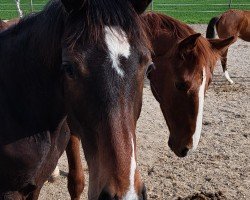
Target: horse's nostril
<point>144,192</point>
<point>184,152</point>
<point>106,196</point>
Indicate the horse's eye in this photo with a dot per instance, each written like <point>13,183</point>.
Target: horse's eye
<point>70,70</point>
<point>150,68</point>
<point>182,86</point>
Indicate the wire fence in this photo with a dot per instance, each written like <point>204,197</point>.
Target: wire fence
<point>9,8</point>
<point>197,11</point>
<point>225,4</point>
<point>190,11</point>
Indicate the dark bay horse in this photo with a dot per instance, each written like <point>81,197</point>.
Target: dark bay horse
<point>80,62</point>
<point>3,26</point>
<point>184,63</point>
<point>230,23</point>
<point>183,66</point>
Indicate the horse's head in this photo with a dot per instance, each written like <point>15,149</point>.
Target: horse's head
<point>182,75</point>
<point>105,57</point>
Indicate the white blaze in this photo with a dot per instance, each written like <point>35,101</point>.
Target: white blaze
<point>197,133</point>
<point>118,45</point>
<point>131,194</point>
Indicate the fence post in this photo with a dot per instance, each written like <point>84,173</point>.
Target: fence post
<point>152,5</point>
<point>230,3</point>
<point>31,5</point>
<point>19,8</point>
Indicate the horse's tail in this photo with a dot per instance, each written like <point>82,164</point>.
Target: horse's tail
<point>210,33</point>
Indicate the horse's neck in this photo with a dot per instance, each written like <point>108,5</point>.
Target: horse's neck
<point>247,16</point>
<point>30,79</point>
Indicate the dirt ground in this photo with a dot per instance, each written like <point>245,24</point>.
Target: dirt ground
<point>219,169</point>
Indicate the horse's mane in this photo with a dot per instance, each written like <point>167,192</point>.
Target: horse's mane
<point>157,23</point>
<point>38,32</point>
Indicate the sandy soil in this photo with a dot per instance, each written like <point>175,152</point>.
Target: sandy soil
<point>219,169</point>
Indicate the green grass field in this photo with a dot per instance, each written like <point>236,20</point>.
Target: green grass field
<point>189,11</point>
<point>200,12</point>
<point>8,8</point>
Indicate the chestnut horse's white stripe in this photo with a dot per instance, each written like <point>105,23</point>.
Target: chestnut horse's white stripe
<point>131,194</point>
<point>118,45</point>
<point>197,133</point>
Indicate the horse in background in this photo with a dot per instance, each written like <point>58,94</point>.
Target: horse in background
<point>6,24</point>
<point>184,64</point>
<point>56,83</point>
<point>2,25</point>
<point>230,23</point>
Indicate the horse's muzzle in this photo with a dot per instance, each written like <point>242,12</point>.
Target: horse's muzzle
<point>180,151</point>
<point>106,196</point>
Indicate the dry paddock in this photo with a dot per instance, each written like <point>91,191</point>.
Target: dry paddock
<point>219,169</point>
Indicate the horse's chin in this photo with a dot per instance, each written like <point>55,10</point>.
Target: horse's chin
<point>180,152</point>
<point>180,155</point>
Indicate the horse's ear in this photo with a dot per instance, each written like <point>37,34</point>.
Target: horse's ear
<point>140,5</point>
<point>188,44</point>
<point>71,5</point>
<point>220,45</point>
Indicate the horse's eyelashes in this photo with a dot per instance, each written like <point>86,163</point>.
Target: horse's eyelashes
<point>150,68</point>
<point>70,70</point>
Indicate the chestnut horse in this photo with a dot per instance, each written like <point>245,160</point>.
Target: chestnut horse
<point>184,63</point>
<point>82,61</point>
<point>230,23</point>
<point>183,66</point>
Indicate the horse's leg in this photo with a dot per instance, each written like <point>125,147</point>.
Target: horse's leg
<point>34,195</point>
<point>29,192</point>
<point>54,174</point>
<point>224,66</point>
<point>11,196</point>
<point>75,176</point>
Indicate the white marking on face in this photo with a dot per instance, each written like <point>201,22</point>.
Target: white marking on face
<point>131,194</point>
<point>201,95</point>
<point>228,77</point>
<point>118,45</point>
